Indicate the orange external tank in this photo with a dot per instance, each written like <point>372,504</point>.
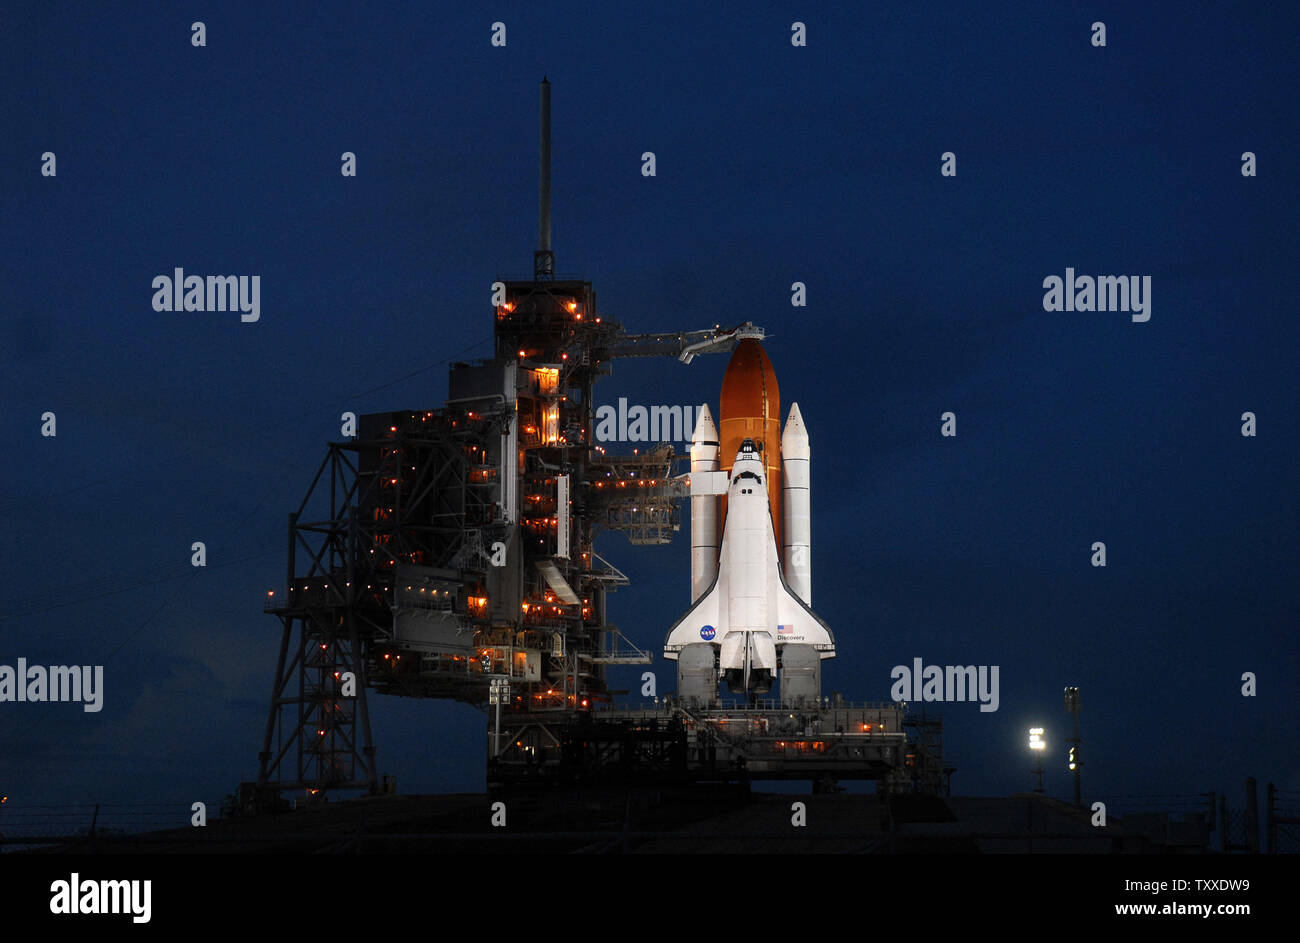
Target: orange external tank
<point>751,409</point>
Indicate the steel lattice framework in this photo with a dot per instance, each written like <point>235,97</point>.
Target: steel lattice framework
<point>412,497</point>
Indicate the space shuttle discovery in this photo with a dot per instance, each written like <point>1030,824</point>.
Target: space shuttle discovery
<point>750,621</point>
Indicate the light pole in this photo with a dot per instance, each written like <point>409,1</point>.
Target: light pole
<point>1072,705</point>
<point>498,691</point>
<point>1038,745</point>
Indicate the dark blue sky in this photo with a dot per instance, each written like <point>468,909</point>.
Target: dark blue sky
<point>775,164</point>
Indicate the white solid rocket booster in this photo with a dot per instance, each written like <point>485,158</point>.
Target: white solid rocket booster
<point>704,508</point>
<point>796,458</point>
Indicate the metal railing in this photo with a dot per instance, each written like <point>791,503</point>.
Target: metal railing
<point>23,826</point>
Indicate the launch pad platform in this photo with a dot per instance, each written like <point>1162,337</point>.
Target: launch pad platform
<point>671,743</point>
<point>451,553</point>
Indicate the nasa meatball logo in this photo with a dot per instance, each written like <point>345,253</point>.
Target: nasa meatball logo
<point>708,632</point>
